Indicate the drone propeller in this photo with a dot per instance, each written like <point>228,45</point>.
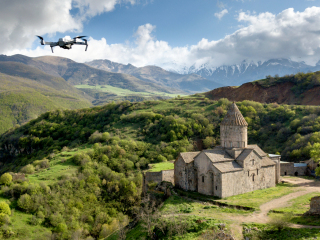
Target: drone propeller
<point>79,37</point>
<point>41,38</point>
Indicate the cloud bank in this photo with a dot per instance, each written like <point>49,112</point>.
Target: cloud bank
<point>289,34</point>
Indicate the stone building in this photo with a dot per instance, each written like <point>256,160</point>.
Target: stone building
<point>230,169</point>
<point>293,169</point>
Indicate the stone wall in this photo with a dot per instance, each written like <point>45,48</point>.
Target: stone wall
<point>234,183</point>
<point>158,177</point>
<point>180,174</point>
<point>314,206</point>
<point>168,176</point>
<point>286,168</point>
<point>207,175</point>
<point>153,177</point>
<point>300,171</point>
<point>276,159</point>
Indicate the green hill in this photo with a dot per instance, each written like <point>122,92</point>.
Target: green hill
<point>26,92</point>
<point>79,74</point>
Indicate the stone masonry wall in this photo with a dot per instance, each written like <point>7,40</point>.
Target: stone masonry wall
<point>234,183</point>
<point>314,206</point>
<point>233,136</point>
<point>153,177</point>
<point>168,175</point>
<point>180,174</point>
<point>300,171</point>
<point>286,169</point>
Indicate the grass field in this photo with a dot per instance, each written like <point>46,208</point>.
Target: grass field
<point>157,167</point>
<point>124,92</point>
<point>299,205</point>
<point>256,198</point>
<point>265,231</point>
<point>60,166</point>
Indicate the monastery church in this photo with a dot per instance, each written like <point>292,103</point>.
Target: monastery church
<point>230,169</point>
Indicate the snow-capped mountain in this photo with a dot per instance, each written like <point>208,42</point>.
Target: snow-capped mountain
<point>235,75</point>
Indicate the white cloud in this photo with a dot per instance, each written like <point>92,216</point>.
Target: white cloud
<point>21,20</point>
<point>221,14</point>
<point>290,34</point>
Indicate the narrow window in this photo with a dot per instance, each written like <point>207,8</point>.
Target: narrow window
<point>252,177</point>
<point>238,144</point>
<point>230,144</point>
<point>202,178</point>
<point>216,187</point>
<point>257,171</point>
<point>285,173</point>
<point>248,173</point>
<point>225,144</point>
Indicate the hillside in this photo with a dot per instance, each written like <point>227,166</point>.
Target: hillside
<point>79,74</point>
<point>79,171</point>
<point>25,98</point>
<point>302,89</point>
<point>191,83</point>
<point>99,86</point>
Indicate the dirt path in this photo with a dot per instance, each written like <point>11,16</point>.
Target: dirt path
<point>304,186</point>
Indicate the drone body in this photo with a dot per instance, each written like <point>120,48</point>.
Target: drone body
<point>65,44</point>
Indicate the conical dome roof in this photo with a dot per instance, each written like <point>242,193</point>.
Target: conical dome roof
<point>234,117</point>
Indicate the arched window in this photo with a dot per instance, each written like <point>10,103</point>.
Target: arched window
<point>252,177</point>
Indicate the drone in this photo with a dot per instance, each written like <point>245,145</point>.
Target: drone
<point>65,44</point>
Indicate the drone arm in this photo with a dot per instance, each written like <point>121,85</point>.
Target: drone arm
<point>83,43</point>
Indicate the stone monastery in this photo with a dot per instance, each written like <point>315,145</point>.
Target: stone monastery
<point>230,169</point>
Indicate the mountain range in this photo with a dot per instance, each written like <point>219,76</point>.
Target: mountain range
<point>235,75</point>
<point>190,83</point>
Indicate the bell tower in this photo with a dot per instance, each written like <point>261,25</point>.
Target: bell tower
<point>233,129</point>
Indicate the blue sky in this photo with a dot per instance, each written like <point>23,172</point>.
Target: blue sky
<point>182,22</point>
<point>169,33</point>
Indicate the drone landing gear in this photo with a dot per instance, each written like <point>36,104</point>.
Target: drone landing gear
<point>52,49</point>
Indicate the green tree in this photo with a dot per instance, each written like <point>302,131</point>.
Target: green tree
<point>29,169</point>
<point>6,179</point>
<point>4,208</point>
<point>25,202</point>
<point>315,155</point>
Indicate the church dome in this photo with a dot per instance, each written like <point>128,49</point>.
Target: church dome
<point>234,117</point>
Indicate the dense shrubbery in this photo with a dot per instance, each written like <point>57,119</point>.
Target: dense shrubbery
<point>302,81</point>
<point>120,140</point>
<point>165,131</point>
